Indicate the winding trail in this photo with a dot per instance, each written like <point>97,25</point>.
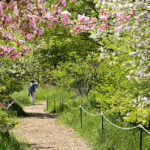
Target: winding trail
<point>42,132</point>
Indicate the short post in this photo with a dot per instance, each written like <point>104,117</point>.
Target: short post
<point>102,126</point>
<point>81,115</point>
<point>47,102</point>
<point>67,113</point>
<point>54,105</point>
<point>141,137</point>
<point>62,105</point>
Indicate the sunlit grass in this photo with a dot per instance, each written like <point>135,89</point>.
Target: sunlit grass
<point>23,98</point>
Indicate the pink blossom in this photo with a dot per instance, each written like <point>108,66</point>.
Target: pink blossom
<point>59,11</point>
<point>41,8</point>
<point>1,12</point>
<point>28,1</point>
<point>101,29</point>
<point>33,24</point>
<point>66,18</point>
<point>8,18</point>
<point>52,6</point>
<point>60,2</point>
<point>66,13</point>
<point>37,41</point>
<point>81,18</point>
<point>63,21</point>
<point>100,1</point>
<point>128,17</point>
<point>117,28</point>
<point>119,23</point>
<point>132,12</point>
<point>120,15</point>
<point>11,49</point>
<point>24,48</point>
<point>18,55</point>
<point>41,31</point>
<point>64,3</point>
<point>14,5</point>
<point>92,25</point>
<point>102,10</point>
<point>104,17</point>
<point>21,42</point>
<point>50,17</point>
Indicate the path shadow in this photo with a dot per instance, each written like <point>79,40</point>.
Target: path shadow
<point>38,147</point>
<point>40,115</point>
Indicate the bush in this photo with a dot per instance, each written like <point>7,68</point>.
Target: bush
<point>9,142</point>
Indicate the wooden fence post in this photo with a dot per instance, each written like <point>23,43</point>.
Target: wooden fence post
<point>81,115</point>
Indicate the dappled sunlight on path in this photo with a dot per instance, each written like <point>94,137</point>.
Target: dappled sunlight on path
<point>42,131</point>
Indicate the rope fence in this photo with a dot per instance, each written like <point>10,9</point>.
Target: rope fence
<point>138,126</point>
<point>103,116</point>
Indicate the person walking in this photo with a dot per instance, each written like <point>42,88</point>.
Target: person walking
<point>31,90</point>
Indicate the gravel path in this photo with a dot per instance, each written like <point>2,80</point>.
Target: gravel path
<point>42,131</point>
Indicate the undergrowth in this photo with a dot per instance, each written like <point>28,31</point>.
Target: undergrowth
<point>9,142</point>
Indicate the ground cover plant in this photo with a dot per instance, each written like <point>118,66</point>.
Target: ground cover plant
<point>8,120</point>
<point>9,141</point>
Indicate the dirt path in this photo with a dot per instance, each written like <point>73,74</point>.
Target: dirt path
<point>43,133</point>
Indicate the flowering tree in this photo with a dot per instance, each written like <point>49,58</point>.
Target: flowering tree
<point>131,53</point>
<point>21,22</point>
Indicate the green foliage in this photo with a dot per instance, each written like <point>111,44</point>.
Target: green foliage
<point>10,79</point>
<point>7,117</point>
<point>9,141</point>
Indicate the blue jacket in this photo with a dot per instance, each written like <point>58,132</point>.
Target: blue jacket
<point>31,88</point>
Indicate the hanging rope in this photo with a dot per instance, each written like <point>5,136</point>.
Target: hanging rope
<point>118,126</point>
<point>71,107</point>
<point>138,126</point>
<point>90,113</point>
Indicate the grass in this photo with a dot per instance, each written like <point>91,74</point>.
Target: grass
<point>9,142</point>
<point>22,97</point>
<point>113,138</point>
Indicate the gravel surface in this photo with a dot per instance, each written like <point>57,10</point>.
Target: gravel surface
<point>42,132</point>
